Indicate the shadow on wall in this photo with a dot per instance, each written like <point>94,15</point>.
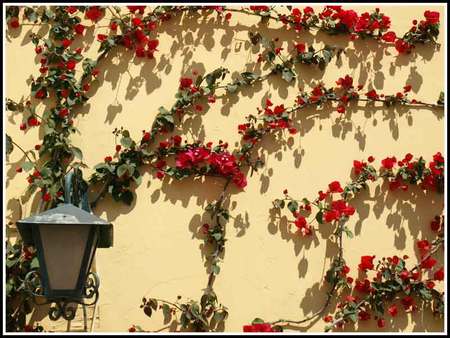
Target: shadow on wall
<point>410,211</point>
<point>200,30</point>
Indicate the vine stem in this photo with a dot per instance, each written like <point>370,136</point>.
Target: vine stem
<point>23,151</point>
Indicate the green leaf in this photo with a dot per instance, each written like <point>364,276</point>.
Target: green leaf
<point>127,197</point>
<point>167,312</point>
<point>258,321</point>
<point>148,310</point>
<point>9,145</point>
<point>348,232</point>
<point>249,76</point>
<point>287,74</point>
<point>319,217</point>
<point>127,142</point>
<point>27,166</point>
<point>215,269</point>
<point>77,153</point>
<point>220,316</point>
<point>231,88</point>
<point>441,98</point>
<point>122,169</point>
<point>34,263</point>
<point>292,206</point>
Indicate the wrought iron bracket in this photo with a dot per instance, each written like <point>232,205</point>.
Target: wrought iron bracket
<point>62,306</point>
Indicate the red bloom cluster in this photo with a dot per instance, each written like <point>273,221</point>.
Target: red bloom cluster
<point>366,263</point>
<point>134,9</point>
<point>220,162</point>
<point>258,327</point>
<point>350,21</point>
<point>94,13</point>
<point>259,8</point>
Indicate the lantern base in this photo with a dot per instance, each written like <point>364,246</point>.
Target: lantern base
<point>61,307</point>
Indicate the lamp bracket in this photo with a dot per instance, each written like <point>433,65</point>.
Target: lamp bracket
<point>61,307</point>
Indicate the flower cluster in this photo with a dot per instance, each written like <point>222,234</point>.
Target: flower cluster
<point>200,159</point>
<point>332,205</point>
<point>392,280</point>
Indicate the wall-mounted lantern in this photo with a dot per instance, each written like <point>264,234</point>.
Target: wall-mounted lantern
<point>65,239</point>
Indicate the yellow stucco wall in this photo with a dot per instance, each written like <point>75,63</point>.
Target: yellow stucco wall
<point>267,272</point>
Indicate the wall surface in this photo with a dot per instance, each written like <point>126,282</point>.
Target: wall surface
<point>268,271</point>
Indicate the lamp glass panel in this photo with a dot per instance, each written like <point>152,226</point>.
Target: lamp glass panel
<point>64,246</point>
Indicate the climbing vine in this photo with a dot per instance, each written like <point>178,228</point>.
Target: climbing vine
<point>64,85</point>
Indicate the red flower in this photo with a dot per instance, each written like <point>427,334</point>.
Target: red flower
<point>71,9</point>
<point>37,147</point>
<point>328,319</point>
<point>431,17</point>
<point>363,287</point>
<point>228,16</point>
<point>258,327</point>
<point>118,147</point>
<point>19,169</point>
<point>407,88</point>
<point>428,263</point>
<point>94,13</point>
<point>108,159</point>
<point>363,315</point>
<point>23,126</point>
<point>439,274</point>
<point>330,216</point>
<point>381,323</point>
<point>388,162</point>
<point>322,195</point>
<point>300,222</point>
<point>300,47</point>
<point>335,186</point>
<point>70,65</point>
<point>366,263</point>
<point>348,18</point>
<point>239,180</point>
<point>152,44</point>
<point>47,197</point>
<point>86,87</point>
<point>191,157</point>
<point>66,43</point>
<point>113,26</point>
<point>14,22</point>
<point>65,92</point>
<point>292,131</point>
<point>177,140</point>
<point>160,174</point>
<point>371,159</point>
<point>134,9</point>
<point>408,302</point>
<point>95,72</point>
<point>136,22</point>
<point>40,94</point>
<point>393,310</point>
<point>341,109</point>
<point>372,95</point>
<point>79,28</point>
<point>102,37</point>
<point>424,246</point>
<point>146,137</point>
<point>389,36</point>
<point>346,82</point>
<point>38,50</point>
<point>63,113</point>
<point>358,166</point>
<point>185,82</point>
<point>402,46</point>
<point>33,121</point>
